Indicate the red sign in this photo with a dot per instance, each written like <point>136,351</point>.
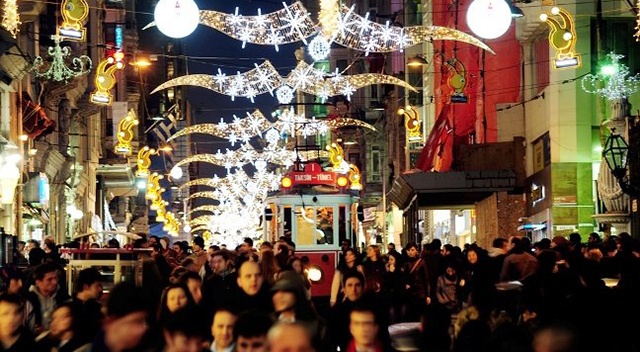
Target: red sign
<point>313,178</point>
<point>311,175</point>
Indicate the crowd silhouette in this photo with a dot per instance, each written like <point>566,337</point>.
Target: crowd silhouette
<point>557,294</point>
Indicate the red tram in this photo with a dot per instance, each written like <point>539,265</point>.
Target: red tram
<point>318,210</point>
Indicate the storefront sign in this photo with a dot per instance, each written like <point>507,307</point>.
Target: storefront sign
<point>537,193</point>
<point>43,190</point>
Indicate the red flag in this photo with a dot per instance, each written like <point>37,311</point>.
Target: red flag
<point>435,147</point>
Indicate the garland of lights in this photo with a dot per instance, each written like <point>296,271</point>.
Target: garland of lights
<point>290,121</point>
<point>255,184</point>
<point>203,194</point>
<point>617,85</point>
<point>265,79</point>
<point>337,24</point>
<point>11,17</point>
<point>310,80</point>
<point>360,33</point>
<point>328,17</point>
<point>246,154</point>
<point>207,182</point>
<point>208,208</point>
<point>238,129</point>
<point>289,25</point>
<point>57,69</point>
<point>257,124</point>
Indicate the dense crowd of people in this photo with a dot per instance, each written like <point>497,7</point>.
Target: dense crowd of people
<point>557,294</point>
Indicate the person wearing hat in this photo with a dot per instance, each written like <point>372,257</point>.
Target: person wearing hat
<point>291,305</point>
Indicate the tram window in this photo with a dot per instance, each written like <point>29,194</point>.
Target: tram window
<point>324,225</point>
<point>305,226</point>
<point>342,228</point>
<point>287,220</point>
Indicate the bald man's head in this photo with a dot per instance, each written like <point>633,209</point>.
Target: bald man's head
<point>250,278</point>
<point>289,337</point>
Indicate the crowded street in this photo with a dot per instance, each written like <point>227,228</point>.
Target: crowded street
<point>319,175</point>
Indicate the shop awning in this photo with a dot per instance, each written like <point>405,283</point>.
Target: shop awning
<point>449,189</point>
<point>31,212</point>
<point>35,121</point>
<point>14,64</point>
<point>118,179</point>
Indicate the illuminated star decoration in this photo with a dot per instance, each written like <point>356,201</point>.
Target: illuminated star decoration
<point>245,155</point>
<point>11,17</point>
<point>255,124</point>
<point>298,125</point>
<point>289,25</point>
<point>612,85</point>
<point>265,79</point>
<point>57,70</point>
<point>310,80</point>
<point>262,79</point>
<point>345,27</point>
<point>266,179</point>
<point>243,129</point>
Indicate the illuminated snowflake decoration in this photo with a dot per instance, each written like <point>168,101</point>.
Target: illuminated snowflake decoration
<point>289,25</point>
<point>272,136</point>
<point>319,48</point>
<point>284,95</point>
<point>615,83</point>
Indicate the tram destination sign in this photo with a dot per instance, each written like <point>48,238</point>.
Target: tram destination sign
<point>312,178</point>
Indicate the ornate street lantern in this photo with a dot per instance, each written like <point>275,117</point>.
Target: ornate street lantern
<point>615,154</point>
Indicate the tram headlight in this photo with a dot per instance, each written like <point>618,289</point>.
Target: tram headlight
<point>315,274</point>
<point>286,182</point>
<point>342,181</point>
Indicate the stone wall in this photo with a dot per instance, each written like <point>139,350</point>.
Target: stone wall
<point>497,216</point>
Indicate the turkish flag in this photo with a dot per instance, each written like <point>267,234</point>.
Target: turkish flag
<point>437,152</point>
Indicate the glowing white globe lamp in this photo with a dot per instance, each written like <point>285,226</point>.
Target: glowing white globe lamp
<point>176,18</point>
<point>176,173</point>
<point>489,19</point>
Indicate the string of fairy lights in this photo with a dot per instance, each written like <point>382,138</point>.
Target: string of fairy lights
<point>264,78</point>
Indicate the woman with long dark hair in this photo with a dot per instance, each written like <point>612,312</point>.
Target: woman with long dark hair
<point>349,263</point>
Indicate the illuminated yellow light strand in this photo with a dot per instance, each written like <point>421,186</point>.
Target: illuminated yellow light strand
<point>245,155</point>
<point>328,17</point>
<point>258,124</point>
<point>255,122</point>
<point>11,17</point>
<point>264,79</point>
<point>203,194</point>
<point>209,208</point>
<point>289,25</point>
<point>344,26</point>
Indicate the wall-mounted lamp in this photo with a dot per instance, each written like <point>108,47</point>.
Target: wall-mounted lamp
<point>615,153</point>
<point>417,61</point>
